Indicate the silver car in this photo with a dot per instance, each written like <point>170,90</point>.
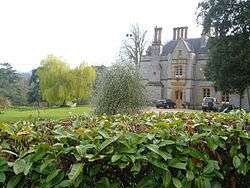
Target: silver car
<point>209,104</point>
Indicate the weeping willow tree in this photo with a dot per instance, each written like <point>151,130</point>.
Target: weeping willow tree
<point>120,90</point>
<point>83,81</point>
<point>59,83</point>
<point>55,81</point>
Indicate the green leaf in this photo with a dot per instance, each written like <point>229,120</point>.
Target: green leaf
<point>64,183</point>
<point>27,169</point>
<point>156,150</point>
<point>45,164</point>
<point>146,182</point>
<point>195,153</point>
<point>189,175</point>
<point>207,183</point>
<point>40,151</point>
<point>115,157</point>
<point>176,164</point>
<point>248,148</point>
<point>76,170</point>
<point>52,175</point>
<point>108,142</point>
<point>19,166</point>
<point>236,161</point>
<point>216,185</point>
<point>103,183</point>
<point>14,180</point>
<point>2,177</point>
<point>213,142</point>
<point>159,164</point>
<point>3,165</point>
<point>212,164</point>
<point>136,167</point>
<point>166,179</point>
<point>82,149</point>
<point>169,142</point>
<point>199,182</point>
<point>150,136</point>
<point>177,182</point>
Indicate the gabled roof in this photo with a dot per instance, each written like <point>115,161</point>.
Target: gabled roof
<point>194,44</point>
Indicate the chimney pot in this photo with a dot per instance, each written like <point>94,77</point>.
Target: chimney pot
<point>186,30</point>
<point>180,33</point>
<point>157,35</point>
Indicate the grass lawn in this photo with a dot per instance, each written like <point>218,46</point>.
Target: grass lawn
<point>27,113</point>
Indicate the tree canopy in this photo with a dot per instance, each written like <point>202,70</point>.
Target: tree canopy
<point>227,22</point>
<point>34,88</point>
<point>13,85</point>
<point>134,45</point>
<point>83,81</point>
<point>59,83</point>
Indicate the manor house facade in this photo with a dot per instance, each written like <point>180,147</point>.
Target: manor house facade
<point>176,71</point>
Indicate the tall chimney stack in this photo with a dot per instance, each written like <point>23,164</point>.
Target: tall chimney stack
<point>174,33</point>
<point>186,30</point>
<point>180,33</point>
<point>157,36</point>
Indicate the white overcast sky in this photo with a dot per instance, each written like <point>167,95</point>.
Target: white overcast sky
<point>78,30</point>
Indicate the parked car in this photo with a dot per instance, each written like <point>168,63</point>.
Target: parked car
<point>166,103</point>
<point>226,107</point>
<point>209,104</point>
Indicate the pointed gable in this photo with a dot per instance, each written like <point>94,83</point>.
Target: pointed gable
<point>181,50</point>
<point>194,44</point>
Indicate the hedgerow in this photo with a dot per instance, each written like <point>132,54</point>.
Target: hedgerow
<point>146,150</point>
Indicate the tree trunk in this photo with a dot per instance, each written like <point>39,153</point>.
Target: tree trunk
<point>240,100</point>
<point>241,95</point>
<point>64,103</point>
<point>248,98</point>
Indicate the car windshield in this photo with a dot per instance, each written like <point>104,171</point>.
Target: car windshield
<point>160,101</point>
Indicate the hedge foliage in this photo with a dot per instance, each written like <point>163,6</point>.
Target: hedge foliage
<point>146,150</point>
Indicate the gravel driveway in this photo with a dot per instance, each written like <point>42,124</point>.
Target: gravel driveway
<point>154,109</point>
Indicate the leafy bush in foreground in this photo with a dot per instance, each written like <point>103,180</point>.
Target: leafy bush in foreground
<point>147,150</point>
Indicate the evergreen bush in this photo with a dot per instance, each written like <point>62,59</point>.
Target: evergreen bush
<point>120,90</point>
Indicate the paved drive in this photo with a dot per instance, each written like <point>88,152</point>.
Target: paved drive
<point>154,109</point>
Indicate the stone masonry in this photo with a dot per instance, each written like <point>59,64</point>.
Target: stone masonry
<point>176,71</point>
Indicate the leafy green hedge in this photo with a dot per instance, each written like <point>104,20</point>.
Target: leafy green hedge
<point>147,150</point>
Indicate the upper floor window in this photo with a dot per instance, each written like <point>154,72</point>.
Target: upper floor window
<point>179,52</point>
<point>206,92</point>
<point>178,71</point>
<point>225,97</point>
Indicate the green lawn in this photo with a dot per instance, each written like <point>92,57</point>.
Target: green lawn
<point>26,113</point>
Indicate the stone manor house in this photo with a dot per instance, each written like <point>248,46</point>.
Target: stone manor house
<point>176,71</point>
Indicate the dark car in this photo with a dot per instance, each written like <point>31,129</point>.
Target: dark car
<point>209,104</point>
<point>226,107</point>
<point>166,103</point>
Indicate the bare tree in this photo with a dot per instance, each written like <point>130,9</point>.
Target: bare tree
<point>134,45</point>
